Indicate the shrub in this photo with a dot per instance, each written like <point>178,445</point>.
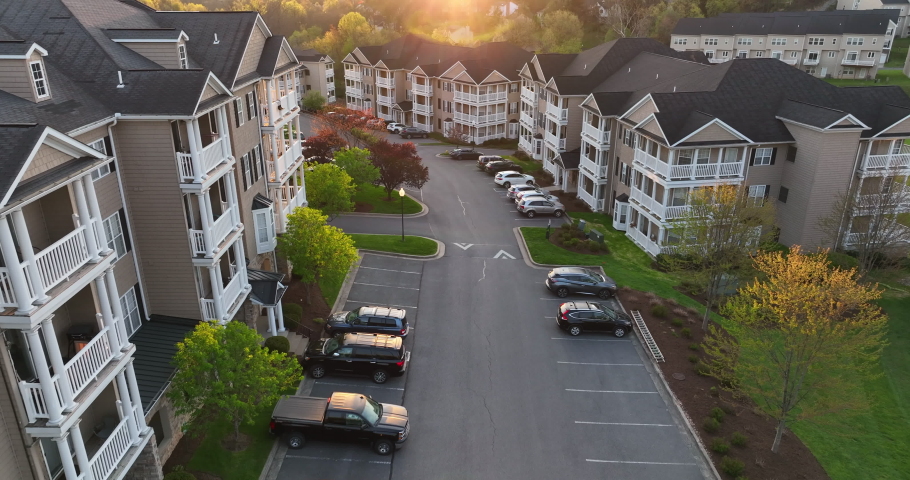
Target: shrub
<point>711,425</point>
<point>739,440</point>
<point>680,311</point>
<point>319,321</point>
<point>731,466</point>
<point>277,344</point>
<point>659,311</point>
<point>693,358</point>
<point>691,287</point>
<point>720,446</point>
<point>521,155</point>
<point>571,243</point>
<point>676,322</point>
<point>702,369</point>
<point>178,473</point>
<point>686,333</point>
<point>717,414</point>
<point>842,260</point>
<point>713,392</point>
<point>694,346</point>
<point>292,314</point>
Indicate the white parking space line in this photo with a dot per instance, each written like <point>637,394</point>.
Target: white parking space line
<point>638,463</point>
<point>605,364</point>
<point>307,457</point>
<point>378,303</point>
<point>355,385</point>
<point>581,339</point>
<point>604,391</point>
<point>551,318</point>
<point>388,270</point>
<point>580,422</point>
<point>387,286</point>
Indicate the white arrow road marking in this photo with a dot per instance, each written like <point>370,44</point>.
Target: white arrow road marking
<point>503,254</point>
<point>464,246</point>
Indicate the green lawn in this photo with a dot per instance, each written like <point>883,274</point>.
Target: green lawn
<point>392,243</point>
<point>898,52</point>
<point>528,166</point>
<point>376,196</point>
<point>884,77</point>
<point>330,287</point>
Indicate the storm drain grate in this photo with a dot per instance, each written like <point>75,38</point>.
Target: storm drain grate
<point>646,335</point>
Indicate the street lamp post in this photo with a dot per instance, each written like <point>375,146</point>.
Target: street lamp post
<point>401,194</point>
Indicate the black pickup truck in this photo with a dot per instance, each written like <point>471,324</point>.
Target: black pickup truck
<point>345,417</point>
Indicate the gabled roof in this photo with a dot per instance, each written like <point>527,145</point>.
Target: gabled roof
<point>311,55</point>
<point>145,34</point>
<point>808,114</point>
<point>869,22</point>
<point>18,144</point>
<point>270,61</point>
<point>570,160</point>
<point>156,344</point>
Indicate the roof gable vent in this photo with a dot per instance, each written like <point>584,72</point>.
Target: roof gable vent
<point>216,42</point>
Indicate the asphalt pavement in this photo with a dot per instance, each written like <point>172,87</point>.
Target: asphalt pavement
<point>494,389</point>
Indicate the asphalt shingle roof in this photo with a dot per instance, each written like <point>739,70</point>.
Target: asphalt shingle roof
<point>869,22</point>
<point>156,344</point>
<point>16,143</point>
<point>308,55</point>
<point>142,33</point>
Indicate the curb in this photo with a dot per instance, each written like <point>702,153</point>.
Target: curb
<point>273,463</point>
<point>424,209</point>
<point>440,251</point>
<point>346,286</point>
<point>531,263</point>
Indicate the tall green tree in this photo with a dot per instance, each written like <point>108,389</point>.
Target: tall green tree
<point>329,189</point>
<point>316,250</point>
<point>313,101</point>
<point>562,32</point>
<point>223,374</point>
<point>356,163</point>
<point>519,30</point>
<point>806,337</point>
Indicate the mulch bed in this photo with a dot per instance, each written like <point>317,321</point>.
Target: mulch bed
<point>571,201</point>
<point>794,461</point>
<point>296,293</point>
<point>363,207</point>
<point>182,454</point>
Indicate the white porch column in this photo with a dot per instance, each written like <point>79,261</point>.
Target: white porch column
<point>272,330</point>
<point>54,409</point>
<point>66,457</point>
<point>231,186</point>
<point>240,256</point>
<point>28,255</point>
<point>14,268</point>
<point>85,220</point>
<point>107,317</point>
<point>116,308</point>
<point>205,214</point>
<point>217,289</point>
<point>269,95</point>
<point>134,396</point>
<point>221,117</point>
<point>126,407</point>
<point>192,136</point>
<point>280,312</point>
<point>81,455</point>
<point>279,208</point>
<point>53,352</point>
<point>95,210</point>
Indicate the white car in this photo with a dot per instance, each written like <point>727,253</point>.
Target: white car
<point>514,190</point>
<point>395,127</point>
<point>522,196</point>
<point>511,177</point>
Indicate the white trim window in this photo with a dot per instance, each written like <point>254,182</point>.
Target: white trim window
<point>763,156</point>
<point>816,41</point>
<point>247,171</point>
<point>725,53</point>
<point>742,54</point>
<point>132,319</point>
<point>743,41</point>
<point>832,53</point>
<point>757,195</point>
<point>239,111</point>
<point>777,55</point>
<point>38,79</point>
<point>710,41</point>
<point>251,104</point>
<point>104,170</point>
<point>794,54</point>
<point>709,54</point>
<point>870,54</point>
<point>855,41</point>
<point>264,226</point>
<point>759,53</point>
<point>680,41</point>
<point>778,41</point>
<point>181,54</point>
<point>113,233</point>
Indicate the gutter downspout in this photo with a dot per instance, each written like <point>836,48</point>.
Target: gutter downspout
<point>129,226</point>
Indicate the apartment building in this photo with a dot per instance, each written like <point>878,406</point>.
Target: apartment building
<point>149,159</point>
<point>655,126</point>
<point>439,88</point>
<point>901,6</point>
<point>838,44</point>
<point>318,73</point>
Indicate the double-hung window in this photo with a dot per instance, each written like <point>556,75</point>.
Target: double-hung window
<point>251,104</point>
<point>181,53</point>
<point>239,112</point>
<point>38,79</point>
<point>710,41</point>
<point>743,41</point>
<point>763,156</point>
<point>113,232</point>
<point>778,41</point>
<point>757,194</point>
<point>816,41</point>
<point>855,41</point>
<point>104,170</point>
<point>247,171</point>
<point>132,319</point>
<point>680,41</point>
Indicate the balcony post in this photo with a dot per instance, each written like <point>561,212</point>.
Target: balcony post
<point>95,210</point>
<point>107,317</point>
<point>231,185</point>
<point>54,409</point>
<point>126,407</point>
<point>14,267</point>
<point>66,457</point>
<point>279,199</point>
<point>53,352</point>
<point>85,220</point>
<point>205,214</point>
<point>135,397</point>
<point>221,117</point>
<point>217,290</point>
<point>116,308</point>
<point>192,136</point>
<point>28,254</point>
<point>280,313</point>
<point>269,94</point>
<point>81,455</point>
<point>273,331</point>
<point>240,254</point>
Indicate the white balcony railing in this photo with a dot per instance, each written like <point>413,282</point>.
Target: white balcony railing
<point>329,72</point>
<point>210,157</point>
<point>529,96</point>
<point>422,109</point>
<point>558,113</point>
<point>57,262</point>
<point>718,60</point>
<point>810,61</point>
<point>384,100</point>
<point>231,291</point>
<point>687,172</point>
<point>650,204</point>
<point>353,74</point>
<point>424,126</point>
<point>599,172</point>
<point>857,62</point>
<point>292,151</point>
<point>33,398</point>
<point>887,162</point>
<point>587,197</point>
<point>465,117</point>
<point>422,89</point>
<point>220,229</point>
<point>555,142</point>
<point>474,98</point>
<point>208,305</point>
<point>790,61</point>
<point>527,120</point>
<point>525,144</point>
<point>112,450</point>
<point>385,82</point>
<point>642,240</point>
<point>600,205</point>
<point>7,295</point>
<point>480,119</point>
<point>293,198</point>
<point>599,136</point>
<point>354,91</point>
<point>385,116</point>
<point>88,362</point>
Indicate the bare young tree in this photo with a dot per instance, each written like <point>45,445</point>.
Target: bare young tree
<point>867,219</point>
<point>459,135</point>
<point>628,18</point>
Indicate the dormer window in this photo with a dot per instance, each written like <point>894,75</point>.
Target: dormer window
<point>181,52</point>
<point>38,79</point>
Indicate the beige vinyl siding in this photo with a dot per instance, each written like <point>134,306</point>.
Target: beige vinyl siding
<point>208,93</point>
<point>45,159</point>
<point>15,79</point>
<point>713,133</point>
<point>768,174</point>
<point>253,52</point>
<point>494,77</point>
<point>453,72</point>
<point>149,173</point>
<point>125,273</point>
<point>58,208</point>
<point>642,112</point>
<point>283,59</point>
<point>108,192</point>
<point>901,128</point>
<point>162,53</point>
<point>653,127</point>
<point>243,140</point>
<point>13,457</point>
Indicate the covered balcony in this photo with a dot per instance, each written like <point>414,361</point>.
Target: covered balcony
<point>558,113</point>
<point>853,60</point>
<point>593,169</point>
<point>388,82</point>
<point>287,197</point>
<point>644,233</point>
<point>596,130</point>
<point>886,157</point>
<point>481,95</point>
<point>283,152</point>
<point>225,285</point>
<point>352,72</point>
<point>555,142</point>
<point>425,89</point>
<point>424,108</point>
<point>385,99</point>
<point>281,102</point>
<point>213,218</point>
<point>527,119</point>
<point>203,145</point>
<point>528,95</point>
<point>690,164</point>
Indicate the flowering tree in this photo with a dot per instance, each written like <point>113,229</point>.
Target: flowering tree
<point>398,165</point>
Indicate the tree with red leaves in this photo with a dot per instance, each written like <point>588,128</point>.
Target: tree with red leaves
<point>398,165</point>
<point>321,147</point>
<point>352,126</point>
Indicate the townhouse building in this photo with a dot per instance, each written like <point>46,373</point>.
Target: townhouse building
<point>149,160</point>
<point>837,44</point>
<point>439,88</point>
<point>901,6</point>
<point>655,126</point>
<point>318,73</point>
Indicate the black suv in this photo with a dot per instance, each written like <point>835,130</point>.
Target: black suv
<point>391,321</point>
<point>463,154</point>
<point>565,280</point>
<point>408,132</point>
<point>502,165</point>
<point>578,317</point>
<point>373,354</point>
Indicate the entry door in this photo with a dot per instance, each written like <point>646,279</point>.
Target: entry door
<point>620,215</point>
<point>824,72</point>
<point>513,130</point>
